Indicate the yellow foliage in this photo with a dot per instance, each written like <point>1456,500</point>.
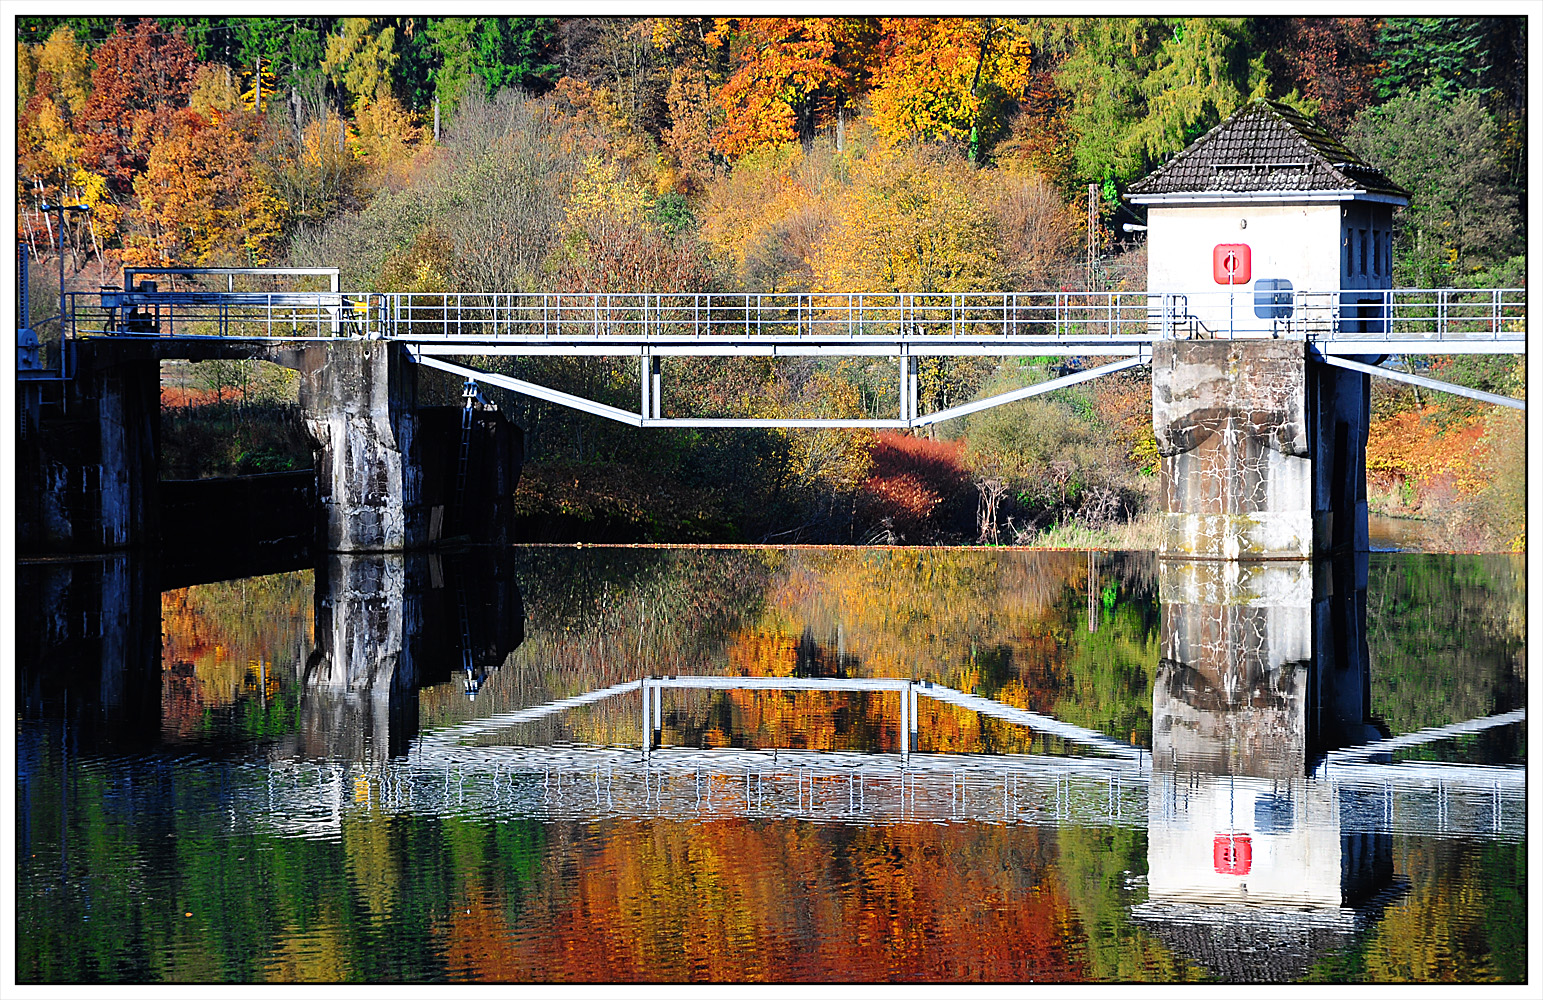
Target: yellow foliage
<point>199,201</point>
<point>215,91</point>
<point>910,222</point>
<point>360,60</point>
<point>69,65</point>
<point>766,187</point>
<point>386,135</point>
<point>934,83</point>
<point>603,192</point>
<point>25,69</point>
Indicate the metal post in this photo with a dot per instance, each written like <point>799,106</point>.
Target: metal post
<point>905,722</point>
<point>656,374</point>
<point>1092,233</point>
<point>648,729</point>
<point>645,383</point>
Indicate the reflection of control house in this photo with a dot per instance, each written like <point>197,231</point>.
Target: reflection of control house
<point>1266,221</point>
<point>1254,869</point>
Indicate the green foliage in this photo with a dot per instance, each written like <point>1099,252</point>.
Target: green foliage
<point>489,54</point>
<point>1203,73</point>
<point>1446,636</point>
<point>232,439</point>
<point>1102,72</point>
<point>1462,211</point>
<point>1446,55</point>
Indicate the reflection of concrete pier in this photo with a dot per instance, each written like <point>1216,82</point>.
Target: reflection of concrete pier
<point>88,647</point>
<point>388,624</point>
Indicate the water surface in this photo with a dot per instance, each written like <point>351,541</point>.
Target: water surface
<point>409,769</point>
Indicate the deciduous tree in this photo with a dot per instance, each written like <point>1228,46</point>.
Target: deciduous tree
<point>142,77</point>
<point>790,75</point>
<point>1462,213</point>
<point>200,201</point>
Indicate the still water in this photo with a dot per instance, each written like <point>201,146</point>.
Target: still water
<point>559,764</point>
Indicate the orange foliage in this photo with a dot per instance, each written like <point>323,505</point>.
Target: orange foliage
<point>757,653</point>
<point>220,641</point>
<point>791,73</point>
<point>200,202</point>
<point>142,75</point>
<point>734,899</point>
<point>1414,447</point>
<point>1041,139</point>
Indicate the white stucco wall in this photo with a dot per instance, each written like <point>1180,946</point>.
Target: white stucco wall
<point>1300,243</point>
<point>1295,868</point>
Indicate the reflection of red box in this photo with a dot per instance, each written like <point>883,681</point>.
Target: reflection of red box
<point>1233,854</point>
<point>1232,264</point>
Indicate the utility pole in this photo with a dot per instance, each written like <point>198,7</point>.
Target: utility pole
<point>1092,234</point>
<point>259,85</point>
<point>436,117</point>
<point>61,209</point>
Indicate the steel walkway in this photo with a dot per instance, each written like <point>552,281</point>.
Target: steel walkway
<point>1345,328</point>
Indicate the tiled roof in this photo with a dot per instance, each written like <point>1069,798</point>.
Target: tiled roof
<point>1266,146</point>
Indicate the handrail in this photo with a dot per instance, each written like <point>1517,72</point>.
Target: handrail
<point>1060,316</point>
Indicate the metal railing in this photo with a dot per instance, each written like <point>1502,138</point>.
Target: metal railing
<point>1432,313</point>
<point>837,315</point>
<point>1081,318</point>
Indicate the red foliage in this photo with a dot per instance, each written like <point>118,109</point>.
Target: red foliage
<point>912,476</point>
<point>1330,59</point>
<point>141,76</point>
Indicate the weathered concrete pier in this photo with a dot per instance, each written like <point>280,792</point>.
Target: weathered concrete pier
<point>1263,451</point>
<point>389,474</point>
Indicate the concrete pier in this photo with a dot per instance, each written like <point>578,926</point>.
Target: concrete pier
<point>1262,450</point>
<point>87,472</point>
<point>359,400</point>
<point>388,473</point>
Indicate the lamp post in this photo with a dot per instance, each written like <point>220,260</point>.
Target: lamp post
<point>60,210</point>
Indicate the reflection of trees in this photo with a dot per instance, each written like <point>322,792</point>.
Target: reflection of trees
<point>1446,636</point>
<point>1007,625</point>
<point>1462,921</point>
<point>236,646</point>
<point>1097,867</point>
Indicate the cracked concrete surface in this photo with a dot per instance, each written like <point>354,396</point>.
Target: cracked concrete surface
<point>1230,419</point>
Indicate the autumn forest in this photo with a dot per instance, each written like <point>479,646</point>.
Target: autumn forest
<point>451,154</point>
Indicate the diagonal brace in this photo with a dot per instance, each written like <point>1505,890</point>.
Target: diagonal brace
<point>532,389</point>
<point>1428,383</point>
<point>1033,390</point>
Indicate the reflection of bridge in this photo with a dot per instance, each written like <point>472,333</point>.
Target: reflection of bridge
<point>445,773</point>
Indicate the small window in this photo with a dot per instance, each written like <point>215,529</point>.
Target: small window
<point>1376,253</point>
<point>1348,248</point>
<point>1363,252</point>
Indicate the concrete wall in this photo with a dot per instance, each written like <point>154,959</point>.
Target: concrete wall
<point>386,470</point>
<point>1232,431</point>
<point>87,474</point>
<point>1263,451</point>
<point>358,400</point>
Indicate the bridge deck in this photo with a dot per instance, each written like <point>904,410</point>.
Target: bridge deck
<point>1398,321</point>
